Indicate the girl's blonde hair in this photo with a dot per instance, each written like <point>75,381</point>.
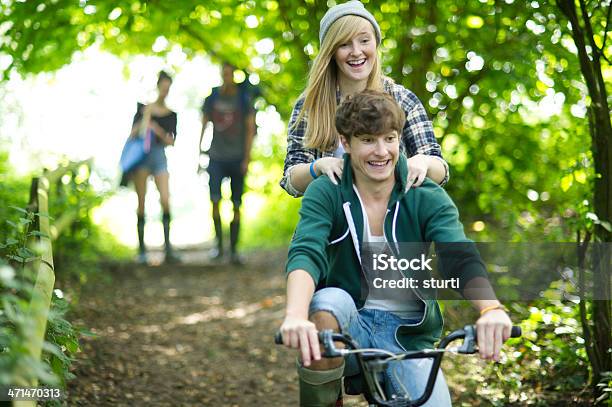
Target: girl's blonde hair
<point>320,94</point>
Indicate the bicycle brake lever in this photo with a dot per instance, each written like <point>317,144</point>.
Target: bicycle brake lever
<point>325,337</point>
<point>469,342</point>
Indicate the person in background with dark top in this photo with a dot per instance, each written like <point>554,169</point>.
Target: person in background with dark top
<point>161,121</point>
<point>230,110</point>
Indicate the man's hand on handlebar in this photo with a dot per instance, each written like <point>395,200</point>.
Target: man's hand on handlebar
<point>493,329</point>
<point>299,333</point>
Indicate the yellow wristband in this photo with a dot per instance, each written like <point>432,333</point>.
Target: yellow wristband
<point>491,308</point>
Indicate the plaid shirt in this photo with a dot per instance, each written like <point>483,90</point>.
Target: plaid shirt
<point>417,136</point>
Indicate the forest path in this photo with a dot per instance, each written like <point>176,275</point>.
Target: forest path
<point>191,334</point>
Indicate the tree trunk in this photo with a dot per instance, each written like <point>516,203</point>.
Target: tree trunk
<point>600,352</point>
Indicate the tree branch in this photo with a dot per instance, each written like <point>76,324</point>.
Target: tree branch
<point>596,65</point>
<point>569,9</point>
<point>406,41</point>
<point>474,79</point>
<point>589,28</point>
<point>296,37</point>
<point>605,34</point>
<point>586,328</point>
<point>196,36</point>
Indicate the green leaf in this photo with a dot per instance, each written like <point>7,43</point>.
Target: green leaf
<point>566,182</point>
<point>25,221</point>
<point>606,225</point>
<point>72,346</point>
<point>52,349</point>
<point>87,332</point>
<point>580,176</point>
<point>24,211</point>
<point>25,253</point>
<point>38,234</point>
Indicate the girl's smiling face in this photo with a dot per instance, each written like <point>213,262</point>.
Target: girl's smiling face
<point>355,57</point>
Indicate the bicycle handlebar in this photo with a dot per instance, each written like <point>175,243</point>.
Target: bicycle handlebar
<point>515,332</point>
<point>373,361</point>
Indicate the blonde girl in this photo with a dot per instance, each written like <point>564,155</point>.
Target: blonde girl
<point>348,63</point>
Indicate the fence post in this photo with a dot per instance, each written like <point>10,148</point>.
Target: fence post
<point>45,280</point>
<point>42,292</point>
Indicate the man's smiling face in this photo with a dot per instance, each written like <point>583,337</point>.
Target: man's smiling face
<point>373,157</point>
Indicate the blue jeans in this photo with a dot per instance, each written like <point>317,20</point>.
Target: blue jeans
<point>372,328</point>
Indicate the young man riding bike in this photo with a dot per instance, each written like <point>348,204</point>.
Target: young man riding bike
<point>330,286</point>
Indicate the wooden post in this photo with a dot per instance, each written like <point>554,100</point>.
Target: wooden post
<point>42,292</point>
<point>43,287</point>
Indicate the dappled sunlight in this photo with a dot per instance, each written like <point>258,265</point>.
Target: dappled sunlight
<point>148,329</point>
<point>188,329</point>
<point>101,132</point>
<point>235,313</point>
<point>207,300</point>
<point>204,316</point>
<point>169,351</point>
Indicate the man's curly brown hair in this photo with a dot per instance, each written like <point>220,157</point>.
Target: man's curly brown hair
<point>369,112</point>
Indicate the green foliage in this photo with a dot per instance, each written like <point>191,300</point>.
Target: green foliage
<point>486,71</point>
<point>14,193</point>
<point>80,247</point>
<point>76,254</point>
<point>553,352</point>
<point>276,221</point>
<point>606,385</point>
<point>16,282</point>
<point>63,340</point>
<point>14,291</point>
<point>546,366</point>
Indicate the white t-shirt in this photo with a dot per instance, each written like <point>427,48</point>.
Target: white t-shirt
<point>403,302</point>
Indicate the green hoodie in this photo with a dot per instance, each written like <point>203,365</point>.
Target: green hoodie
<point>328,240</point>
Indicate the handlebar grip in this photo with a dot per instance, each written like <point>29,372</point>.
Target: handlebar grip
<point>516,332</point>
<point>278,337</point>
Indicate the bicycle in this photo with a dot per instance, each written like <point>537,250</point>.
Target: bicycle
<point>372,362</point>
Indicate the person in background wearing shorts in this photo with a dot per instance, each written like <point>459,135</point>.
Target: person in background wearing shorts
<point>161,121</point>
<point>229,108</point>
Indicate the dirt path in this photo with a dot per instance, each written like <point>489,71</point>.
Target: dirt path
<point>201,335</point>
<point>186,335</point>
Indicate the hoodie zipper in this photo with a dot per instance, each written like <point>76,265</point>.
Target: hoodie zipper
<point>394,240</point>
<point>349,218</point>
<point>353,232</point>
